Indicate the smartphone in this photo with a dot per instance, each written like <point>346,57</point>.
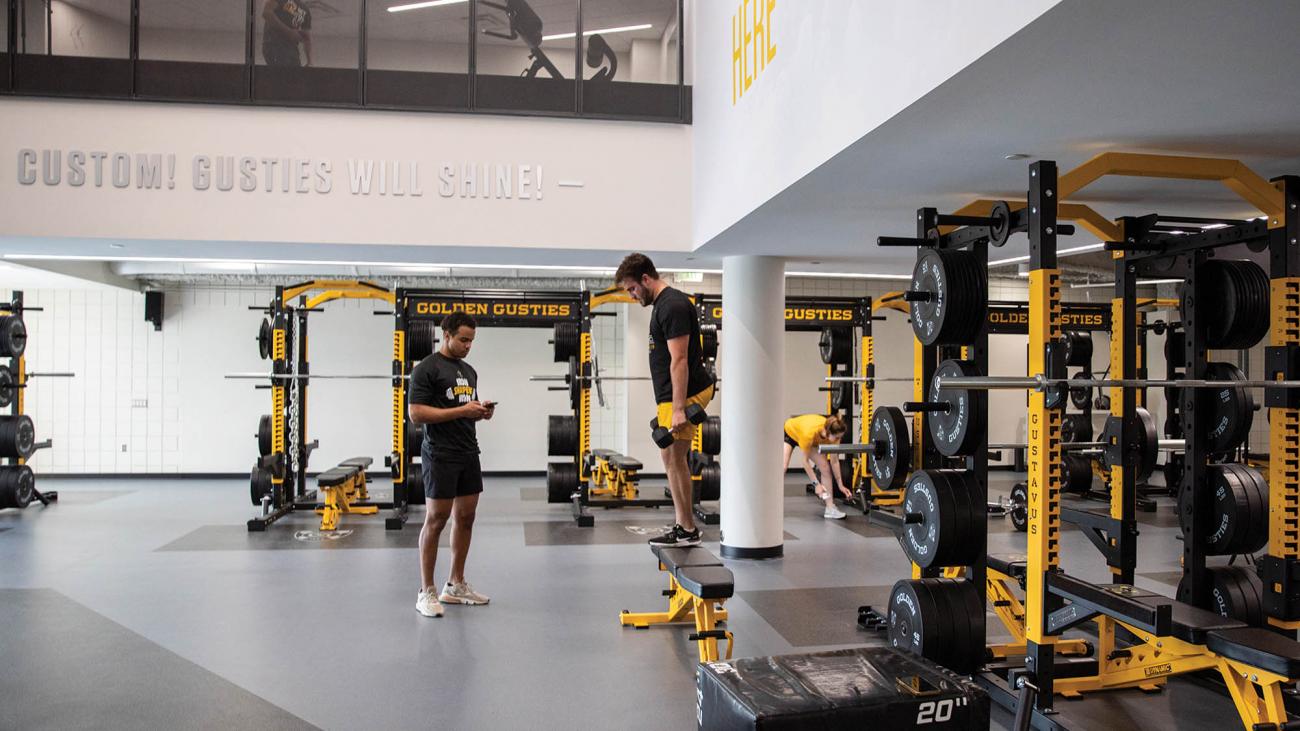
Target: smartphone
<point>490,404</point>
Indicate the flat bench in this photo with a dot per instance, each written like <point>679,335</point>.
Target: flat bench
<point>698,585</point>
<point>343,487</point>
<point>1013,565</point>
<point>613,474</point>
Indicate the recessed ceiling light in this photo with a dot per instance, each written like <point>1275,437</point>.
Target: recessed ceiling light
<point>1016,156</point>
<point>117,246</point>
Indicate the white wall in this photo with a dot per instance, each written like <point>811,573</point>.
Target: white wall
<point>620,166</point>
<point>840,69</point>
<point>193,420</point>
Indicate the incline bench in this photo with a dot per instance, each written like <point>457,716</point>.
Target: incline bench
<point>698,585</point>
<point>613,474</point>
<point>343,486</point>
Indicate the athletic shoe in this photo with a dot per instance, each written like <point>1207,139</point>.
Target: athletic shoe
<point>833,513</point>
<point>677,536</point>
<point>462,593</point>
<point>427,604</point>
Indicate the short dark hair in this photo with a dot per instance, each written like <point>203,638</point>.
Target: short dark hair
<point>456,320</point>
<point>634,267</point>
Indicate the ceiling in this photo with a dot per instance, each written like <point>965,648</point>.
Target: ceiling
<point>1194,77</point>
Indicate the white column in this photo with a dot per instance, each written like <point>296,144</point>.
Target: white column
<point>753,337</point>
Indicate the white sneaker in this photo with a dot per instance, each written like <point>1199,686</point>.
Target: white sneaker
<point>462,593</point>
<point>834,513</point>
<point>426,603</point>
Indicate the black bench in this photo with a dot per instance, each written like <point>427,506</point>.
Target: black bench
<point>697,587</point>
<point>1013,565</point>
<point>1258,648</point>
<point>362,462</point>
<point>673,557</point>
<point>336,476</point>
<point>706,582</point>
<point>627,464</point>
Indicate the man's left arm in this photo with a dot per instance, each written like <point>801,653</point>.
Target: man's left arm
<point>680,370</point>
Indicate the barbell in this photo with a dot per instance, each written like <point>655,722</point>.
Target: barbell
<point>1042,383</point>
<point>8,385</point>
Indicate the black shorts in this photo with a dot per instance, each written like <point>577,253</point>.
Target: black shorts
<point>447,478</point>
<point>790,441</point>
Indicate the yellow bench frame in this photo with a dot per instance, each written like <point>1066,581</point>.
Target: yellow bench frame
<point>683,607</point>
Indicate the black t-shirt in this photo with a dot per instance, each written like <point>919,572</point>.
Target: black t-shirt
<point>293,13</point>
<point>446,383</point>
<point>673,316</point>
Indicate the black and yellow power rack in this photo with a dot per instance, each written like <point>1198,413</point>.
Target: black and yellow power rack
<point>1226,621</point>
<point>278,481</point>
<point>17,430</point>
<point>844,345</point>
<point>418,311</point>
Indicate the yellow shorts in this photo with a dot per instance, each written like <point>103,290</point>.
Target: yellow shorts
<point>687,432</point>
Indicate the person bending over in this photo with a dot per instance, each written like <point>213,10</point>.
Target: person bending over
<point>679,378</point>
<point>444,397</point>
<point>807,433</point>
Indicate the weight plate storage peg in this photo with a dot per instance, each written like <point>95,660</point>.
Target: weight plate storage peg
<point>17,486</point>
<point>562,435</point>
<point>1077,349</point>
<point>259,484</point>
<point>1236,592</point>
<point>711,436</point>
<point>566,339</point>
<point>960,428</point>
<point>7,386</point>
<point>17,436</point>
<point>1019,511</point>
<point>1234,304</point>
<point>415,486</point>
<point>421,337</point>
<point>13,336</point>
<point>414,439</point>
<point>265,440</point>
<point>264,339</point>
<point>942,522</point>
<point>835,345</point>
<point>1076,474</point>
<point>1081,396</point>
<point>1232,408</point>
<point>949,296</point>
<point>841,396</point>
<point>561,481</point>
<point>891,455</point>
<point>711,481</point>
<point>709,341</point>
<point>1076,428</point>
<point>938,619</point>
<point>1236,499</point>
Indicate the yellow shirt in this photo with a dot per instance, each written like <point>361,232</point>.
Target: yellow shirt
<point>806,430</point>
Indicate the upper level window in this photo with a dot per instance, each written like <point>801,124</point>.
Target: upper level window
<point>607,58</point>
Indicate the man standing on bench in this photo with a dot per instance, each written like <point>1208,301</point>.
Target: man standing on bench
<point>679,378</point>
<point>444,397</point>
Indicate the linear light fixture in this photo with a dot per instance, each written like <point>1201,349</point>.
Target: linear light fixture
<point>1075,250</point>
<point>232,263</point>
<point>421,5</point>
<point>606,31</point>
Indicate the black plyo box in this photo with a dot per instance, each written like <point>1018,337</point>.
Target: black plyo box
<point>869,687</point>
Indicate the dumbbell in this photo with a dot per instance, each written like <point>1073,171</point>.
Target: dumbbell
<point>663,436</point>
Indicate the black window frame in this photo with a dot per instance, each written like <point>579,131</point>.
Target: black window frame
<point>134,79</point>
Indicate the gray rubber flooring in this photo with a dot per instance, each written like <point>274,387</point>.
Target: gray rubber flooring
<point>146,604</point>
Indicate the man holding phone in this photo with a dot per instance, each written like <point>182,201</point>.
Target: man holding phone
<point>444,397</point>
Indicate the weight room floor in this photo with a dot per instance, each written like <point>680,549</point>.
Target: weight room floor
<point>146,604</point>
